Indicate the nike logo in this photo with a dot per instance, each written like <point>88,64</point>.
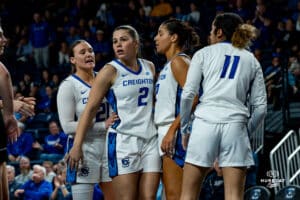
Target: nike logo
<point>83,91</point>
<point>123,75</point>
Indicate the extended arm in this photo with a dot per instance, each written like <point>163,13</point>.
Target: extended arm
<point>6,94</point>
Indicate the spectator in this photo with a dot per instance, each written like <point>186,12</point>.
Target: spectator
<point>24,51</point>
<point>63,56</point>
<point>37,188</point>
<point>61,189</point>
<point>13,184</point>
<point>40,38</point>
<point>194,16</point>
<point>273,79</point>
<point>25,170</point>
<point>144,4</point>
<point>162,9</point>
<point>21,147</point>
<point>55,144</point>
<point>50,174</point>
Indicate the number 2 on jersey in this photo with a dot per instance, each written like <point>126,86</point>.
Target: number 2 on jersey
<point>234,66</point>
<point>144,93</point>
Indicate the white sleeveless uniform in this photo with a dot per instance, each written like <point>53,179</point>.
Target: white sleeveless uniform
<point>230,78</point>
<point>167,107</point>
<point>72,98</point>
<point>132,141</point>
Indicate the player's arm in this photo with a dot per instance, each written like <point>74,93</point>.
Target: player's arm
<point>258,101</point>
<point>66,107</point>
<point>6,91</point>
<point>6,94</point>
<point>101,85</point>
<point>179,68</point>
<point>189,92</point>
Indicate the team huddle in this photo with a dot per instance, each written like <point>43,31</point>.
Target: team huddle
<point>130,127</point>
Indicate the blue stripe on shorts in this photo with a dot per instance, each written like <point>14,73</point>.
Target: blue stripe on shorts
<point>112,155</point>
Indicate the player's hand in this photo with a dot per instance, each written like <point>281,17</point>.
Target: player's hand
<point>25,105</point>
<point>168,142</point>
<point>185,140</point>
<point>74,157</point>
<point>111,120</point>
<point>11,126</point>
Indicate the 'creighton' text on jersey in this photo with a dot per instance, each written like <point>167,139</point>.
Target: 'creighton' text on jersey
<point>131,97</point>
<point>137,82</point>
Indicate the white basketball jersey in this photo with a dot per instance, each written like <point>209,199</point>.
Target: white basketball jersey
<point>168,95</point>
<point>131,97</point>
<point>228,77</point>
<point>72,98</point>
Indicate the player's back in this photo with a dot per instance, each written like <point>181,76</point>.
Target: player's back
<point>227,75</point>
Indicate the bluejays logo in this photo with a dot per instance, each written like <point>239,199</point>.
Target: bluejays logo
<point>125,162</point>
<point>84,171</point>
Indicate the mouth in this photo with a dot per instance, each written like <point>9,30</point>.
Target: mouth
<point>89,61</point>
<point>119,52</point>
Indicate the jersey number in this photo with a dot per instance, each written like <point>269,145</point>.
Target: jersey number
<point>234,66</point>
<point>144,93</point>
<point>103,112</point>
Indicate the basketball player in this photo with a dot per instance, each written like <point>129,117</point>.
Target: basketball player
<point>134,162</point>
<point>230,77</point>
<point>8,124</point>
<point>72,98</point>
<point>172,39</point>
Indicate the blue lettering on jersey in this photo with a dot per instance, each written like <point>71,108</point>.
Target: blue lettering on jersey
<point>137,82</point>
<point>162,77</point>
<point>234,66</point>
<point>84,100</point>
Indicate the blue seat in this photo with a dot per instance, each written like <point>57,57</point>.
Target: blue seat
<point>291,192</point>
<point>257,192</point>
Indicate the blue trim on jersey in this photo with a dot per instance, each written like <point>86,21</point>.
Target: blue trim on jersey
<point>80,80</point>
<point>128,69</point>
<point>179,155</point>
<point>112,154</point>
<point>178,98</point>
<point>112,100</point>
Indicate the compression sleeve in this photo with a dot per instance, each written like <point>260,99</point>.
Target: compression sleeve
<point>190,90</point>
<point>66,106</point>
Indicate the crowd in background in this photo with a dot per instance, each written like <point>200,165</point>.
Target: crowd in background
<point>39,34</point>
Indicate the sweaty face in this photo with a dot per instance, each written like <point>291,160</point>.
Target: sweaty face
<point>84,56</point>
<point>125,47</point>
<point>162,40</point>
<point>3,41</point>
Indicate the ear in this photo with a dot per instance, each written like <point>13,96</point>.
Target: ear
<point>174,38</point>
<point>219,33</point>
<point>72,60</point>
